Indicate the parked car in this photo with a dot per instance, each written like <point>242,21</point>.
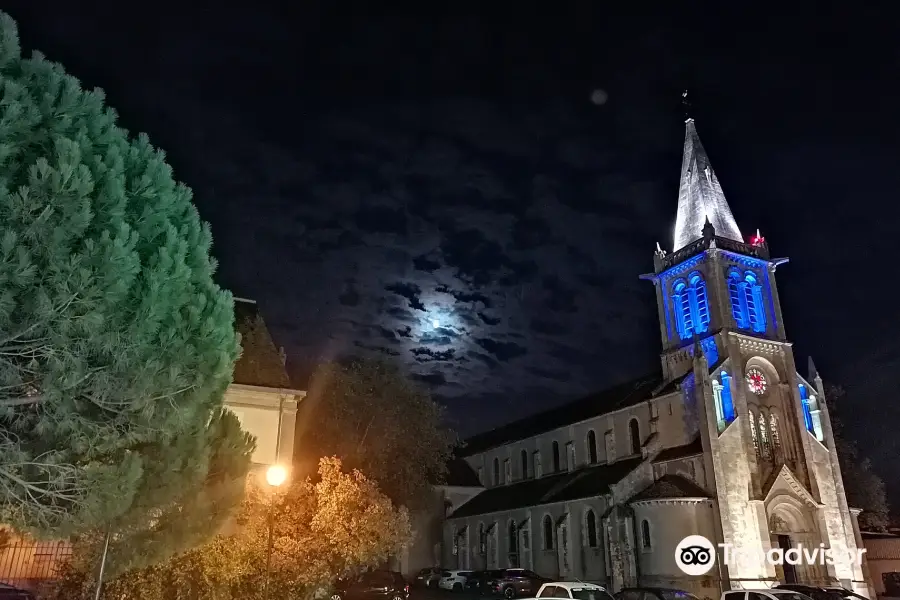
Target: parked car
<point>454,580</point>
<point>479,580</point>
<point>814,592</point>
<point>8,592</point>
<point>374,585</point>
<point>654,593</point>
<point>428,577</point>
<point>764,594</point>
<point>516,582</point>
<point>576,590</point>
<point>845,593</point>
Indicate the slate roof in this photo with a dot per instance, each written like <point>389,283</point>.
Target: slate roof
<point>460,474</point>
<point>615,398</point>
<point>692,449</point>
<point>670,486</point>
<point>260,362</point>
<point>582,483</point>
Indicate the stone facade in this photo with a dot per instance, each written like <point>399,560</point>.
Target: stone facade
<point>729,442</point>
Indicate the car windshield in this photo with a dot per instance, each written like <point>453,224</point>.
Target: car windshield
<point>676,595</point>
<point>590,594</point>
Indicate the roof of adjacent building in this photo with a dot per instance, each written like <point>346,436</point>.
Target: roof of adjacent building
<point>670,486</point>
<point>261,362</point>
<point>677,452</point>
<point>460,474</point>
<point>586,482</point>
<point>700,197</point>
<point>615,398</point>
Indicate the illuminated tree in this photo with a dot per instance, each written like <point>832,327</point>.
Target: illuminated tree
<point>116,346</point>
<point>324,528</point>
<point>378,421</point>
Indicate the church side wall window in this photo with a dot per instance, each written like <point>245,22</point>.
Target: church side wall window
<point>691,305</point>
<point>591,526</point>
<point>556,457</point>
<point>496,471</point>
<point>524,455</point>
<point>482,540</point>
<point>538,469</point>
<point>634,433</point>
<point>548,533</point>
<point>592,446</point>
<point>747,306</point>
<point>645,534</point>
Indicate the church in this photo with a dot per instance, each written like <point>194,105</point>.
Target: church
<point>728,441</point>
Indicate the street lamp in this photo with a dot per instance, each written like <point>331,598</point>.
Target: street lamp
<point>276,475</point>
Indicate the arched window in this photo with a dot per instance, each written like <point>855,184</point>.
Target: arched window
<point>482,539</point>
<point>634,431</point>
<point>764,436</point>
<point>524,455</point>
<point>807,413</point>
<point>773,429</point>
<point>548,533</point>
<point>590,521</point>
<point>645,534</point>
<point>747,306</point>
<point>691,305</point>
<point>496,471</point>
<point>753,432</point>
<point>699,303</point>
<point>513,540</point>
<point>556,457</point>
<point>592,446</point>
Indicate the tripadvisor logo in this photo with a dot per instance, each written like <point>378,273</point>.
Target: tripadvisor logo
<point>696,555</point>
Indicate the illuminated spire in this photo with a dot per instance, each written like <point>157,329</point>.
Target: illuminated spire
<point>700,197</point>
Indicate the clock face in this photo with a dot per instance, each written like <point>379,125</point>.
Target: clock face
<point>756,381</point>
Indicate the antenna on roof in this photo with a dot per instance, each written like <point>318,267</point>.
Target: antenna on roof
<point>247,300</point>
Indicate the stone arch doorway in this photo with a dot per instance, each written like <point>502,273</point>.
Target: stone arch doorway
<point>792,526</point>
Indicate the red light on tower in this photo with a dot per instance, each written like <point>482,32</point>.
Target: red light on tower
<point>757,240</point>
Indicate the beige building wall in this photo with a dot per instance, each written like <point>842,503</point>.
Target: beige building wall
<point>270,416</point>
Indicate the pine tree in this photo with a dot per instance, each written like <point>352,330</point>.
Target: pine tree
<point>116,345</point>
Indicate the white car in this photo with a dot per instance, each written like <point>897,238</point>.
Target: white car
<point>576,590</point>
<point>454,580</point>
<point>764,594</point>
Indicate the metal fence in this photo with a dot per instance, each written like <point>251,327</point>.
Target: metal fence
<point>31,565</point>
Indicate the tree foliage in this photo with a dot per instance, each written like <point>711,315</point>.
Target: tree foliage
<point>378,421</point>
<point>116,346</point>
<point>864,487</point>
<point>324,528</point>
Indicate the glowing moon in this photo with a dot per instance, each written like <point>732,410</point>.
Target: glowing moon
<point>599,97</point>
<point>435,324</point>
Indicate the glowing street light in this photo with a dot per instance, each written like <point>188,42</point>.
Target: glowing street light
<point>276,475</point>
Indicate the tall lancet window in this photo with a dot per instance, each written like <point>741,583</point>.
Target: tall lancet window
<point>747,306</point>
<point>691,305</point>
<point>773,428</point>
<point>753,432</point>
<point>764,446</point>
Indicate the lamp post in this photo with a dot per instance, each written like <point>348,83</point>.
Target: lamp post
<point>276,475</point>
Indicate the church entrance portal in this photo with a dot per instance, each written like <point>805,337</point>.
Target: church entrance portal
<point>790,526</point>
<point>790,572</point>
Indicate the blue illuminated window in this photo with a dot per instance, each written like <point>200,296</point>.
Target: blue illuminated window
<point>746,296</point>
<point>691,306</point>
<point>804,400</point>
<point>727,401</point>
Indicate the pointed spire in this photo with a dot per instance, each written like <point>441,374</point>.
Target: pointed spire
<point>700,197</point>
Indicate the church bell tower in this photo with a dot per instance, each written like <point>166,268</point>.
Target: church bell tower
<point>765,430</point>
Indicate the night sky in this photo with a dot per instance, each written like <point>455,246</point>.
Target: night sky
<point>505,174</point>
